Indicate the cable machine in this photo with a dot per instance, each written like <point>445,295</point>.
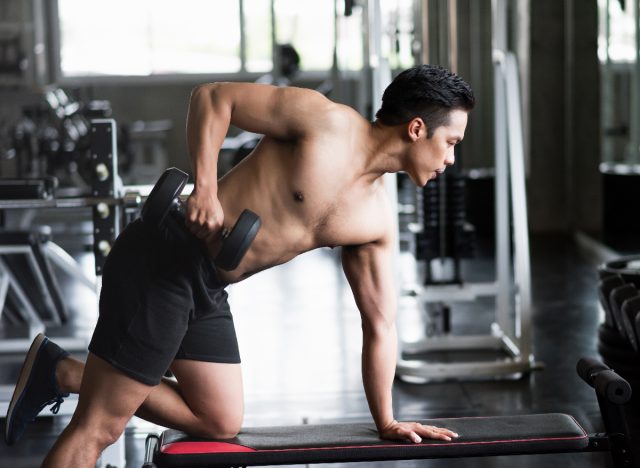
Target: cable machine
<point>508,340</point>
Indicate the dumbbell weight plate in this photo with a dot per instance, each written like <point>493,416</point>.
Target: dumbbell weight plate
<point>617,297</point>
<point>626,370</point>
<point>238,241</point>
<point>617,355</point>
<point>611,338</point>
<point>605,286</point>
<point>637,327</point>
<point>630,311</point>
<point>627,267</point>
<point>160,200</point>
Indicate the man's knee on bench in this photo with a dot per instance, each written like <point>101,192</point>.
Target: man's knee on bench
<point>212,427</point>
<point>221,419</point>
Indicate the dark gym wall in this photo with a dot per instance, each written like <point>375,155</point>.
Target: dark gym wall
<point>152,101</point>
<point>585,135</point>
<point>564,185</point>
<point>476,67</point>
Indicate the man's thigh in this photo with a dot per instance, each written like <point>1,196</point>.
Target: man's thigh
<point>212,390</point>
<point>108,398</point>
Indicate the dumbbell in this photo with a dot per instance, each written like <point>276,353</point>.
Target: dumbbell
<point>163,208</point>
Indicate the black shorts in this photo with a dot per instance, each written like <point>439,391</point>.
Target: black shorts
<point>161,300</point>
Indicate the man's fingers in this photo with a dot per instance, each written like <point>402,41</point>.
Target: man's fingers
<point>433,432</point>
<point>203,226</point>
<point>416,432</point>
<point>202,232</point>
<point>204,216</point>
<point>410,435</point>
<point>444,431</point>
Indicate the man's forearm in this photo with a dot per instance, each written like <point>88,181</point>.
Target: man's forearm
<point>208,120</point>
<point>379,352</point>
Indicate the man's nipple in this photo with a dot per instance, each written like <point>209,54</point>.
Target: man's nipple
<point>298,196</point>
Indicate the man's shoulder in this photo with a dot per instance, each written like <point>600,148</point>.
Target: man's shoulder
<point>336,119</point>
<point>342,113</point>
<point>372,221</point>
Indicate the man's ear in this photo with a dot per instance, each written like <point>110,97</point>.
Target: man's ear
<point>416,128</point>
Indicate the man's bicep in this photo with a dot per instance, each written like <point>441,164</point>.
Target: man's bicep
<point>373,261</point>
<point>269,110</point>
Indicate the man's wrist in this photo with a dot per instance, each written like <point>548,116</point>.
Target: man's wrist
<point>205,187</point>
<point>205,182</point>
<point>383,427</point>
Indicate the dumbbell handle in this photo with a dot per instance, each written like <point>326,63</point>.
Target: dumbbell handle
<point>240,236</point>
<point>176,223</point>
<point>179,212</point>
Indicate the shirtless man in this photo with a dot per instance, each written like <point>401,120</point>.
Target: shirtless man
<point>315,180</point>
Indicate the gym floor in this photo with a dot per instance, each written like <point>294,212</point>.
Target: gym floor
<point>299,333</point>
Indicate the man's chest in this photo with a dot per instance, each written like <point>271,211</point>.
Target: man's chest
<point>351,218</point>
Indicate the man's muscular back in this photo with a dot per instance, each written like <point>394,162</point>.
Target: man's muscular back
<point>311,190</point>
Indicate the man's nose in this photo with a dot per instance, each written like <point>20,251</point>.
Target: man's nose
<point>450,159</point>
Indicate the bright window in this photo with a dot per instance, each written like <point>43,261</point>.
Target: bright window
<point>146,37</point>
<point>155,37</point>
<point>349,50</point>
<point>309,27</point>
<point>622,34</point>
<point>397,23</point>
<point>257,34</point>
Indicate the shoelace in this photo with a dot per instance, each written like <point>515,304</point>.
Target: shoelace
<point>56,407</point>
<point>56,402</point>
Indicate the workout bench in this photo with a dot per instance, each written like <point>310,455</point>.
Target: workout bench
<point>479,437</point>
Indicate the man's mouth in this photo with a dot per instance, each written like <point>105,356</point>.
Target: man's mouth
<point>437,173</point>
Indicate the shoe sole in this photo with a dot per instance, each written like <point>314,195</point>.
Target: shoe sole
<point>23,379</point>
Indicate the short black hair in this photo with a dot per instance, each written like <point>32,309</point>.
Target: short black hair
<point>426,91</point>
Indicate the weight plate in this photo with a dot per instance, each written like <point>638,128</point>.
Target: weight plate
<point>617,297</point>
<point>235,246</point>
<point>630,311</point>
<point>626,370</point>
<point>160,200</point>
<point>611,338</point>
<point>627,267</point>
<point>605,287</point>
<point>617,355</point>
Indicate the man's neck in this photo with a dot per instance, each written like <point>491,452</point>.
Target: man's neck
<point>384,149</point>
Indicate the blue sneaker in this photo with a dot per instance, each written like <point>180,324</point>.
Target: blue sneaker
<point>36,387</point>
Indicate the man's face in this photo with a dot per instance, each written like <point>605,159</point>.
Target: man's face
<point>431,156</point>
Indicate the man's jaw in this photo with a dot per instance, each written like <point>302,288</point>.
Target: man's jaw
<point>436,173</point>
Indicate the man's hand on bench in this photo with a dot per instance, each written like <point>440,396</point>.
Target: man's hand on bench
<point>415,432</point>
